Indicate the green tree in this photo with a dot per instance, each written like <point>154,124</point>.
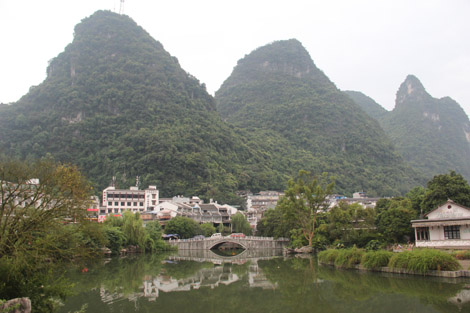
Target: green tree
<point>154,238</point>
<point>183,226</point>
<point>208,229</point>
<point>133,229</point>
<point>273,224</point>
<point>393,222</point>
<point>220,228</point>
<point>304,199</point>
<point>35,229</point>
<point>32,212</point>
<point>446,186</point>
<point>416,195</point>
<point>240,224</point>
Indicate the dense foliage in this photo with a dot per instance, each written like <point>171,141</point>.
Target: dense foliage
<point>348,225</point>
<point>433,135</point>
<point>367,104</point>
<point>184,227</point>
<point>277,94</point>
<point>115,103</point>
<point>240,224</point>
<point>444,187</point>
<point>35,229</point>
<point>44,222</point>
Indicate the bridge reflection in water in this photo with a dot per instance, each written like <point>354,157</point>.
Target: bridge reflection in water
<point>213,276</point>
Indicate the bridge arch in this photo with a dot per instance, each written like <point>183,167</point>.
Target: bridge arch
<point>227,240</point>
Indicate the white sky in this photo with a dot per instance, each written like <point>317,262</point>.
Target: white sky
<point>364,45</point>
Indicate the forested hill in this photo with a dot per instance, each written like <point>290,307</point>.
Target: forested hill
<point>277,92</point>
<point>372,108</point>
<point>117,104</point>
<point>433,135</point>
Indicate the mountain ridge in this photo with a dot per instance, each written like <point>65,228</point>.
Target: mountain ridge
<point>305,108</point>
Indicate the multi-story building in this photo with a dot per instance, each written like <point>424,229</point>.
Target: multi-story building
<point>133,199</point>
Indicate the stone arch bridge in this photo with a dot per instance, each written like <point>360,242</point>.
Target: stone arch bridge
<point>247,243</point>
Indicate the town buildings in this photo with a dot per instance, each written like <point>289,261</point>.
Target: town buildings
<point>118,201</point>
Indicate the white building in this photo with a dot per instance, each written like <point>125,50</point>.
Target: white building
<point>447,226</point>
<point>134,200</point>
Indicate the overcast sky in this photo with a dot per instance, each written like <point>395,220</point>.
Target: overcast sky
<point>368,46</point>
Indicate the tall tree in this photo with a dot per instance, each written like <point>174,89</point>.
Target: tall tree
<point>304,199</point>
<point>446,186</point>
<point>240,224</point>
<point>393,220</point>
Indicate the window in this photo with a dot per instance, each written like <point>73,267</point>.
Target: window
<point>135,203</point>
<point>128,204</point>
<point>141,203</point>
<point>110,203</point>
<point>123,203</point>
<point>116,203</point>
<point>452,232</point>
<point>422,233</point>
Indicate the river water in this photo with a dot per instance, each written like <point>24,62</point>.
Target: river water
<point>201,281</point>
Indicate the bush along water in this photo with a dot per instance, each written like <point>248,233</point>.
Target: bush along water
<point>376,259</point>
<point>419,261</point>
<point>424,260</point>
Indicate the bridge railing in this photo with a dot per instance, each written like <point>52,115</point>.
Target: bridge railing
<point>228,237</point>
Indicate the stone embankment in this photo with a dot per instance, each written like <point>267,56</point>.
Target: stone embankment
<point>450,274</point>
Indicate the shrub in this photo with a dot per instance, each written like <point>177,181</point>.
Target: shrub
<point>328,256</point>
<point>461,254</point>
<point>347,258</point>
<point>373,245</point>
<point>376,259</point>
<point>424,260</point>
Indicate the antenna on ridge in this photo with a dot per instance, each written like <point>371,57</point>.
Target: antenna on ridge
<point>121,7</point>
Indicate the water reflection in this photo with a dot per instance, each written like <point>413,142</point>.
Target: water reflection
<point>202,281</point>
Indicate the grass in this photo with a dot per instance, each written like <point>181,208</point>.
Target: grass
<point>348,258</point>
<point>424,260</point>
<point>376,259</point>
<point>328,256</point>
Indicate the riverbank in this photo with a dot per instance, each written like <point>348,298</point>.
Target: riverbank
<point>448,274</point>
<point>424,262</point>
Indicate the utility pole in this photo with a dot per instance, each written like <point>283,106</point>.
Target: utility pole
<point>121,7</point>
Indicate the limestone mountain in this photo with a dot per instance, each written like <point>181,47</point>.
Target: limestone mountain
<point>433,135</point>
<point>372,108</point>
<point>278,94</point>
<point>117,104</point>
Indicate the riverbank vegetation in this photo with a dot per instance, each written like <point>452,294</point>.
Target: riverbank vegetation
<point>351,224</point>
<point>44,223</point>
<point>419,260</point>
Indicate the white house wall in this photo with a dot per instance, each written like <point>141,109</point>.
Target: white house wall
<point>443,212</point>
